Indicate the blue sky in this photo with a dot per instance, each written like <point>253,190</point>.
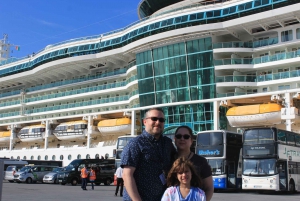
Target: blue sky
<point>34,24</point>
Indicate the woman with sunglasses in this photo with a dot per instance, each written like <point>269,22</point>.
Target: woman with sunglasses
<point>184,183</point>
<point>183,142</point>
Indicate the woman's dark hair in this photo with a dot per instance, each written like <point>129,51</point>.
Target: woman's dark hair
<point>180,166</point>
<point>188,128</point>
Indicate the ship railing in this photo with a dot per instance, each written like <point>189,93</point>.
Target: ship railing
<point>233,61</point>
<point>220,95</point>
<point>258,60</point>
<point>234,44</point>
<point>258,78</point>
<point>236,78</point>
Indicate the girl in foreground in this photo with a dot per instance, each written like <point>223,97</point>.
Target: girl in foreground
<point>184,184</point>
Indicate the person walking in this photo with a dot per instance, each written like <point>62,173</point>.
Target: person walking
<point>84,175</point>
<point>92,177</point>
<point>120,181</point>
<point>183,141</point>
<point>146,160</point>
<point>184,183</point>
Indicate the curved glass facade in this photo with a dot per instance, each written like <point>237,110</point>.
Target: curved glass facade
<point>177,73</point>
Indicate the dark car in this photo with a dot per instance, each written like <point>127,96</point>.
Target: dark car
<point>105,169</point>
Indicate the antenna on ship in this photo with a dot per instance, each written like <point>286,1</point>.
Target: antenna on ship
<point>4,48</point>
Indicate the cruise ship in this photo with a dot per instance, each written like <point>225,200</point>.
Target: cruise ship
<point>216,64</point>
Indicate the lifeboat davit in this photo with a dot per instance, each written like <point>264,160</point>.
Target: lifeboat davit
<point>32,133</point>
<point>4,136</point>
<point>121,126</point>
<point>254,115</point>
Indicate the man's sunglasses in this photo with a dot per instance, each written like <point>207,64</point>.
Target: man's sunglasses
<point>162,120</point>
<point>185,136</point>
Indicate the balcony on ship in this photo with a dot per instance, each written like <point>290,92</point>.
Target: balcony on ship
<point>235,45</point>
<point>236,80</point>
<point>277,59</point>
<point>258,78</point>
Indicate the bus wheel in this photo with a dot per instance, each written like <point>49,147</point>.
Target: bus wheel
<point>292,187</point>
<point>74,182</point>
<point>28,180</point>
<point>97,184</point>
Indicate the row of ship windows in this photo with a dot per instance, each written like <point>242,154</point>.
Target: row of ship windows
<point>70,81</point>
<point>61,157</point>
<point>108,98</point>
<point>157,27</point>
<point>65,105</point>
<point>75,91</point>
<point>288,35</point>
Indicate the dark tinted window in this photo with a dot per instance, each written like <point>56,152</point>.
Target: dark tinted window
<point>290,139</point>
<point>281,137</point>
<point>213,138</point>
<point>258,136</point>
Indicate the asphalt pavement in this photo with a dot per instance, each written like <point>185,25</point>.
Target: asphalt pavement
<point>57,192</point>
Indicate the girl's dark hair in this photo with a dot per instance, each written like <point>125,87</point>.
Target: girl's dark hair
<point>188,128</point>
<point>180,166</point>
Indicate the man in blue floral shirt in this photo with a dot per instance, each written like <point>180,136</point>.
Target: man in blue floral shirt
<point>147,159</point>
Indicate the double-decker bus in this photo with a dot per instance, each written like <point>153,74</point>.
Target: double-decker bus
<point>121,143</point>
<point>222,149</point>
<point>271,160</point>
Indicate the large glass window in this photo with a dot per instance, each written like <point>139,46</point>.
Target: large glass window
<point>210,139</point>
<point>286,35</point>
<point>298,33</point>
<point>181,72</point>
<point>259,167</point>
<point>258,136</point>
<point>217,166</point>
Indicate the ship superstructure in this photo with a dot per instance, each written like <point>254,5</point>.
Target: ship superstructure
<point>196,59</point>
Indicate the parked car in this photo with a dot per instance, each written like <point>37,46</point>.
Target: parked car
<point>51,177</point>
<point>11,170</point>
<point>33,173</point>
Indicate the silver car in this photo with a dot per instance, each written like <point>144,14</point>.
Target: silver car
<point>32,174</point>
<point>51,177</point>
<point>10,172</point>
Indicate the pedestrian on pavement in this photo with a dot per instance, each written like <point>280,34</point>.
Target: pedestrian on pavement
<point>120,181</point>
<point>84,175</point>
<point>147,159</point>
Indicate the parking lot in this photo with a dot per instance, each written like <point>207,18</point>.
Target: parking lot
<point>53,192</point>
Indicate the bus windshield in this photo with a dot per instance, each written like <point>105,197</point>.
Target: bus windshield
<point>258,136</point>
<point>122,141</point>
<point>217,166</point>
<point>210,139</point>
<point>259,167</point>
